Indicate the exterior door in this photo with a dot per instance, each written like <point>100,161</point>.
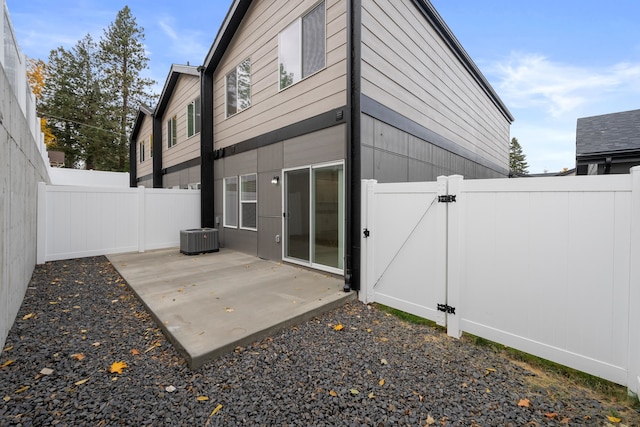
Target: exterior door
<point>314,217</point>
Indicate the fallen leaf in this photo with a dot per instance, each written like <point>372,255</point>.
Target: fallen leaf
<point>368,329</point>
<point>8,348</point>
<point>117,367</point>
<point>46,371</point>
<point>7,363</point>
<point>354,391</point>
<point>488,371</point>
<point>229,309</point>
<point>53,302</point>
<point>76,306</point>
<point>371,395</point>
<point>21,389</point>
<point>170,389</point>
<point>551,415</point>
<point>381,382</point>
<point>28,316</point>
<point>613,419</point>
<point>215,411</point>
<point>430,420</point>
<point>135,352</point>
<point>78,356</point>
<point>202,398</point>
<point>96,344</point>
<point>338,327</point>
<point>524,402</point>
<point>81,381</point>
<point>6,398</point>
<point>384,362</point>
<point>565,421</point>
<point>488,391</point>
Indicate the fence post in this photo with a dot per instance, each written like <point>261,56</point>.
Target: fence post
<point>141,217</point>
<point>633,371</point>
<point>454,255</point>
<point>440,275</point>
<point>367,246</point>
<point>41,225</point>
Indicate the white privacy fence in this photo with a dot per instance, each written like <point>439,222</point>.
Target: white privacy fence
<point>549,266</point>
<point>75,222</point>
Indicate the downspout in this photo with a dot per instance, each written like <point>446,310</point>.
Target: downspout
<point>157,151</point>
<point>207,183</point>
<point>133,164</point>
<point>353,161</point>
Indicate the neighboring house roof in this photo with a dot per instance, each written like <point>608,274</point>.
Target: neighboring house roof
<point>56,158</point>
<point>239,8</point>
<point>143,112</point>
<point>611,134</point>
<point>170,84</point>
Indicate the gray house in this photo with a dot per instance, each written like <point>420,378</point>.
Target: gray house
<point>303,99</point>
<point>609,143</point>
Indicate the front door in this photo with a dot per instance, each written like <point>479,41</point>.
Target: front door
<point>313,219</point>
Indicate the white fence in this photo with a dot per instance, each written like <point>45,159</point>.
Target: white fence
<point>549,266</point>
<point>75,222</point>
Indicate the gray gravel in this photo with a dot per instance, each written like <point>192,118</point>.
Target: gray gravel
<point>376,371</point>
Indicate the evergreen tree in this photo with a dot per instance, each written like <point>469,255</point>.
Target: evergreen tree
<point>123,56</point>
<point>517,158</point>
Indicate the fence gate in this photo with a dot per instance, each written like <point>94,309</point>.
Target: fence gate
<point>404,247</point>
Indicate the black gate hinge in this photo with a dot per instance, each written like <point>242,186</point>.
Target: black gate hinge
<point>446,308</point>
<point>447,198</point>
<point>365,232</point>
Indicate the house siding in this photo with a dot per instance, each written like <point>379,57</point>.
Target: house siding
<point>408,67</point>
<point>146,167</point>
<point>272,109</point>
<point>186,90</point>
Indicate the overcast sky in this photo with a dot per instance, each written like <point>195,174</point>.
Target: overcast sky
<point>551,62</point>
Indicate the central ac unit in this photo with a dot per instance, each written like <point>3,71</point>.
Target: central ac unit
<point>198,241</point>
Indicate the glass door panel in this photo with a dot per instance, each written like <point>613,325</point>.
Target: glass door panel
<point>327,216</point>
<point>297,218</point>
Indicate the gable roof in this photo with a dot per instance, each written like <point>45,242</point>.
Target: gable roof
<point>143,111</point>
<point>170,84</point>
<point>239,8</point>
<point>608,133</point>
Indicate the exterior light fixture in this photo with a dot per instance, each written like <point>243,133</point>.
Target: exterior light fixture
<point>275,180</point>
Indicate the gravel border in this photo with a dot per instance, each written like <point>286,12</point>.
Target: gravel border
<point>79,317</point>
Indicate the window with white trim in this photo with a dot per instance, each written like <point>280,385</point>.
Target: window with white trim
<point>249,201</point>
<point>238,88</point>
<point>302,47</point>
<point>193,117</point>
<point>172,132</point>
<point>230,202</point>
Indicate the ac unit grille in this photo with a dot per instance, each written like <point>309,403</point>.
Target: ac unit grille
<point>198,241</point>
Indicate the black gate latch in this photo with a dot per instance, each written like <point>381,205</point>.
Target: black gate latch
<point>365,232</point>
<point>447,198</point>
<point>446,308</point>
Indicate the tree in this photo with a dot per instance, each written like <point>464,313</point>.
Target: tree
<point>123,57</point>
<point>517,158</point>
<point>73,102</point>
<point>37,75</point>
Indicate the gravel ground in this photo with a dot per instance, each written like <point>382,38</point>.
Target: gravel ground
<point>79,317</point>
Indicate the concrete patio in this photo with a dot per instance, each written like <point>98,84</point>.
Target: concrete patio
<point>209,304</point>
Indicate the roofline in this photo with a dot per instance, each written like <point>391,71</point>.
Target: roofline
<point>172,79</point>
<point>609,114</point>
<point>629,152</point>
<point>143,111</point>
<point>432,15</point>
<point>227,30</point>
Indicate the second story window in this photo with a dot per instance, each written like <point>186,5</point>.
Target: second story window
<point>301,47</point>
<point>193,117</point>
<point>238,88</point>
<point>151,145</point>
<point>172,132</point>
<point>141,147</point>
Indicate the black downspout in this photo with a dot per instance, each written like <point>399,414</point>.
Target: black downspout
<point>133,164</point>
<point>353,161</point>
<point>207,183</point>
<point>157,152</point>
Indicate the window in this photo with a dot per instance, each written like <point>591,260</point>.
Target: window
<point>231,202</point>
<point>141,148</point>
<point>302,47</point>
<point>248,202</point>
<point>238,88</point>
<point>193,117</point>
<point>241,203</point>
<point>151,145</point>
<point>172,132</point>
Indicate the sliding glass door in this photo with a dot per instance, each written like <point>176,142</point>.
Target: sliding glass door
<point>314,216</point>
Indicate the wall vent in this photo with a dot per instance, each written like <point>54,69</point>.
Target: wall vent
<point>198,240</point>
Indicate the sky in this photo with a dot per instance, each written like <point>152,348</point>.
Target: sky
<point>551,62</point>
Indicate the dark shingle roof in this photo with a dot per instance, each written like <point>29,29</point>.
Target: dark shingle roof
<point>609,133</point>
